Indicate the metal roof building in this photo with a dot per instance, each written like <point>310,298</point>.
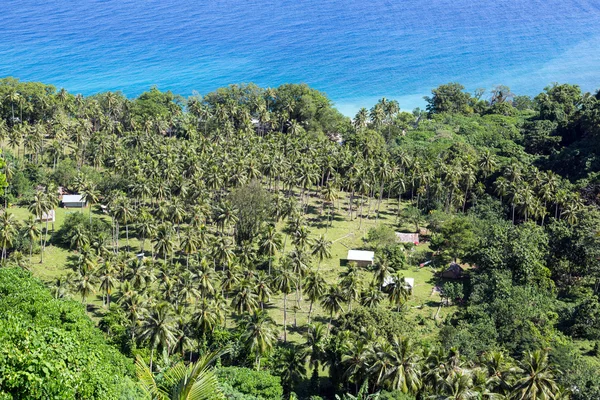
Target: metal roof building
<point>361,257</point>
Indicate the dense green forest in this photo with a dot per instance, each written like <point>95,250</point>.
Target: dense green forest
<point>208,261</point>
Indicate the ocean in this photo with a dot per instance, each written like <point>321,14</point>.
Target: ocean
<point>356,51</point>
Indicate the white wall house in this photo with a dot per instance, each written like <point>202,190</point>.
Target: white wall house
<point>73,201</point>
<point>361,257</point>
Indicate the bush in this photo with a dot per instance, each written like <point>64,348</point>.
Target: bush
<point>381,236</point>
<point>260,384</point>
<point>395,395</point>
<point>77,223</point>
<point>56,343</point>
<point>385,322</point>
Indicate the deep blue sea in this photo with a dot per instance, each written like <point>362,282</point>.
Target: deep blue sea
<point>356,51</point>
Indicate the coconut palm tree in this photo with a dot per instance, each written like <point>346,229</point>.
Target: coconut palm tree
<point>32,233</point>
<point>196,381</point>
<point>332,301</point>
<point>189,244</point>
<point>84,285</point>
<point>159,329</point>
<point>537,381</point>
<point>321,249</point>
<point>290,366</point>
<point>260,334</point>
<point>398,291</point>
<point>270,243</point>
<point>315,345</point>
<point>285,282</point>
<point>262,288</point>
<point>244,299</point>
<point>89,194</point>
<point>164,244</point>
<point>38,207</point>
<point>8,231</point>
<point>371,297</point>
<point>314,288</point>
<point>351,284</point>
<point>108,281</point>
<point>406,376</point>
<point>207,316</point>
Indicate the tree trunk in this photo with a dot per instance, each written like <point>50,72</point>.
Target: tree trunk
<point>310,308</point>
<point>285,317</point>
<point>41,247</point>
<point>151,357</point>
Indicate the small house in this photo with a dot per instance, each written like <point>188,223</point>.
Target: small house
<point>73,201</point>
<point>47,217</point>
<point>362,258</point>
<point>454,271</point>
<point>407,237</point>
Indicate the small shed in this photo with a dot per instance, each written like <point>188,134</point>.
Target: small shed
<point>454,271</point>
<point>362,258</point>
<point>50,216</point>
<point>73,201</point>
<point>407,237</point>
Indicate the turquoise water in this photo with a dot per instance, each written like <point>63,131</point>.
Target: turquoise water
<point>356,50</point>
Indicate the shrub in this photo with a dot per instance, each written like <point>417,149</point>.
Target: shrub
<point>260,384</point>
<point>56,343</point>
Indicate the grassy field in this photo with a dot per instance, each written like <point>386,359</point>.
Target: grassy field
<point>345,234</point>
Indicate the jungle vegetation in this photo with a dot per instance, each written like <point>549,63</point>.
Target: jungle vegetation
<point>208,230</point>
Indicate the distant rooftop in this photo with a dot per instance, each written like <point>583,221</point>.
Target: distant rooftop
<point>71,198</point>
<point>360,255</point>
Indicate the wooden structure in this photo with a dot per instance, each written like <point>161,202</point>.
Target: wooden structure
<point>454,271</point>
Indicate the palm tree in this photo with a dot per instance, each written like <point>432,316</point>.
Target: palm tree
<point>314,288</point>
<point>406,377</point>
<point>145,226</point>
<point>89,194</point>
<point>499,371</point>
<point>108,281</point>
<point>321,249</point>
<point>537,382</point>
<point>372,297</point>
<point>244,299</point>
<point>259,335</point>
<point>84,285</point>
<point>38,207</point>
<point>351,284</point>
<point>159,329</point>
<point>398,291</point>
<point>262,288</point>
<point>189,244</point>
<point>164,240</point>
<point>8,231</point>
<point>459,386</point>
<point>285,282</point>
<point>333,301</point>
<point>31,232</point>
<point>270,243</point>
<point>291,367</point>
<point>124,214</point>
<point>196,381</point>
<point>315,345</point>
<point>134,306</point>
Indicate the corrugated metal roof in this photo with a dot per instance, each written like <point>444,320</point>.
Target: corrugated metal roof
<point>407,237</point>
<point>360,255</point>
<point>71,198</point>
